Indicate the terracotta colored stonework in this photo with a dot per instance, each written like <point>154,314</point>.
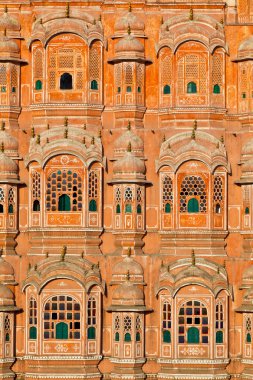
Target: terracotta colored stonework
<point>126,190</point>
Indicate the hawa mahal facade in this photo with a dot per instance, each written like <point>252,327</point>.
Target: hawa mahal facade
<point>126,190</point>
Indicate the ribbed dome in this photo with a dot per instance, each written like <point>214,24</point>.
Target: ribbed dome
<point>128,264</point>
<point>8,168</point>
<point>5,294</point>
<point>6,269</point>
<point>245,49</point>
<point>121,144</point>
<point>8,23</point>
<point>248,167</point>
<point>8,47</point>
<point>130,45</point>
<point>248,147</point>
<point>10,143</point>
<point>129,166</point>
<point>248,273</point>
<point>128,20</point>
<point>128,294</point>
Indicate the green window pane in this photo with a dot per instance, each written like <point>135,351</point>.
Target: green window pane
<point>61,330</point>
<point>117,337</point>
<point>216,89</point>
<point>64,203</point>
<point>118,209</point>
<point>127,337</point>
<point>193,335</point>
<point>129,89</point>
<point>193,205</point>
<point>248,338</point>
<point>219,336</point>
<point>128,208</point>
<point>247,210</point>
<point>166,336</point>
<point>138,337</point>
<point>166,89</point>
<point>38,85</point>
<point>91,332</point>
<point>36,205</point>
<point>139,209</point>
<point>33,332</point>
<point>191,88</point>
<point>167,208</point>
<point>10,209</point>
<point>94,85</point>
<point>93,205</point>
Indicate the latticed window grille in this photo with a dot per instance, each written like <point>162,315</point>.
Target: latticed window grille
<point>139,195</point>
<point>38,64</point>
<point>192,68</point>
<point>116,328</point>
<point>92,311</point>
<point>166,70</point>
<point>32,318</point>
<point>93,190</point>
<point>140,75</point>
<point>219,322</point>
<point>61,318</point>
<point>167,193</point>
<point>128,194</point>
<point>217,69</point>
<point>193,323</point>
<point>64,182</point>
<point>94,62</point>
<point>1,195</point>
<point>3,76</point>
<point>118,75</point>
<point>248,329</point>
<point>36,185</point>
<point>193,187</point>
<point>138,328</point>
<point>243,80</point>
<point>166,322</point>
<point>218,189</point>
<point>14,78</point>
<point>117,195</point>
<point>129,75</point>
<point>127,323</point>
<point>7,328</point>
<point>11,201</point>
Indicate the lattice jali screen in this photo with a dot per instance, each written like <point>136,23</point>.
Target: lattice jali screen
<point>243,79</point>
<point>14,77</point>
<point>217,69</point>
<point>38,64</point>
<point>140,75</point>
<point>128,75</point>
<point>192,68</point>
<point>166,70</point>
<point>3,75</point>
<point>35,185</point>
<point>218,189</point>
<point>167,195</point>
<point>193,187</point>
<point>118,75</point>
<point>94,63</point>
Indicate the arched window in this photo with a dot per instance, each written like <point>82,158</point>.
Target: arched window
<point>117,336</point>
<point>193,205</point>
<point>127,337</point>
<point>38,85</point>
<point>62,330</point>
<point>247,211</point>
<point>166,336</point>
<point>62,318</point>
<point>1,200</point>
<point>191,88</point>
<point>36,205</point>
<point>32,318</point>
<point>1,209</point>
<point>193,335</point>
<point>66,82</point>
<point>91,317</point>
<point>193,323</point>
<point>139,89</point>
<point>138,337</point>
<point>93,205</point>
<point>248,326</point>
<point>166,89</point>
<point>129,89</point>
<point>33,332</point>
<point>217,208</point>
<point>118,209</point>
<point>219,337</point>
<point>194,187</point>
<point>64,182</point>
<point>11,201</point>
<point>94,85</point>
<point>167,208</point>
<point>138,328</point>
<point>248,338</point>
<point>138,209</point>
<point>64,203</point>
<point>128,208</point>
<point>166,322</point>
<point>7,328</point>
<point>216,89</point>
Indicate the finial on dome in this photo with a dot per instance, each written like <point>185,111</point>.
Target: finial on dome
<point>99,134</point>
<point>2,147</point>
<point>5,9</point>
<point>100,17</point>
<point>128,276</point>
<point>48,126</point>
<point>224,264</point>
<point>129,147</point>
<point>66,133</point>
<point>63,254</point>
<point>128,30</point>
<point>84,140</point>
<point>129,125</point>
<point>3,125</point>
<point>66,121</point>
<point>129,251</point>
<point>129,7</point>
<point>164,138</point>
<point>195,125</point>
<point>94,21</point>
<point>4,32</point>
<point>162,21</point>
<point>33,132</point>
<point>216,26</point>
<point>193,258</point>
<point>167,28</point>
<point>222,139</point>
<point>193,136</point>
<point>47,255</point>
<point>47,140</point>
<point>67,10</point>
<point>82,254</point>
<point>84,126</point>
<point>1,252</point>
<point>191,14</point>
<point>218,269</point>
<point>29,266</point>
<point>92,140</point>
<point>221,21</point>
<point>41,21</point>
<point>35,267</point>
<point>98,264</point>
<point>38,140</point>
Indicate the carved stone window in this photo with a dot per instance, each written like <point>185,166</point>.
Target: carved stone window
<point>193,323</point>
<point>32,318</point>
